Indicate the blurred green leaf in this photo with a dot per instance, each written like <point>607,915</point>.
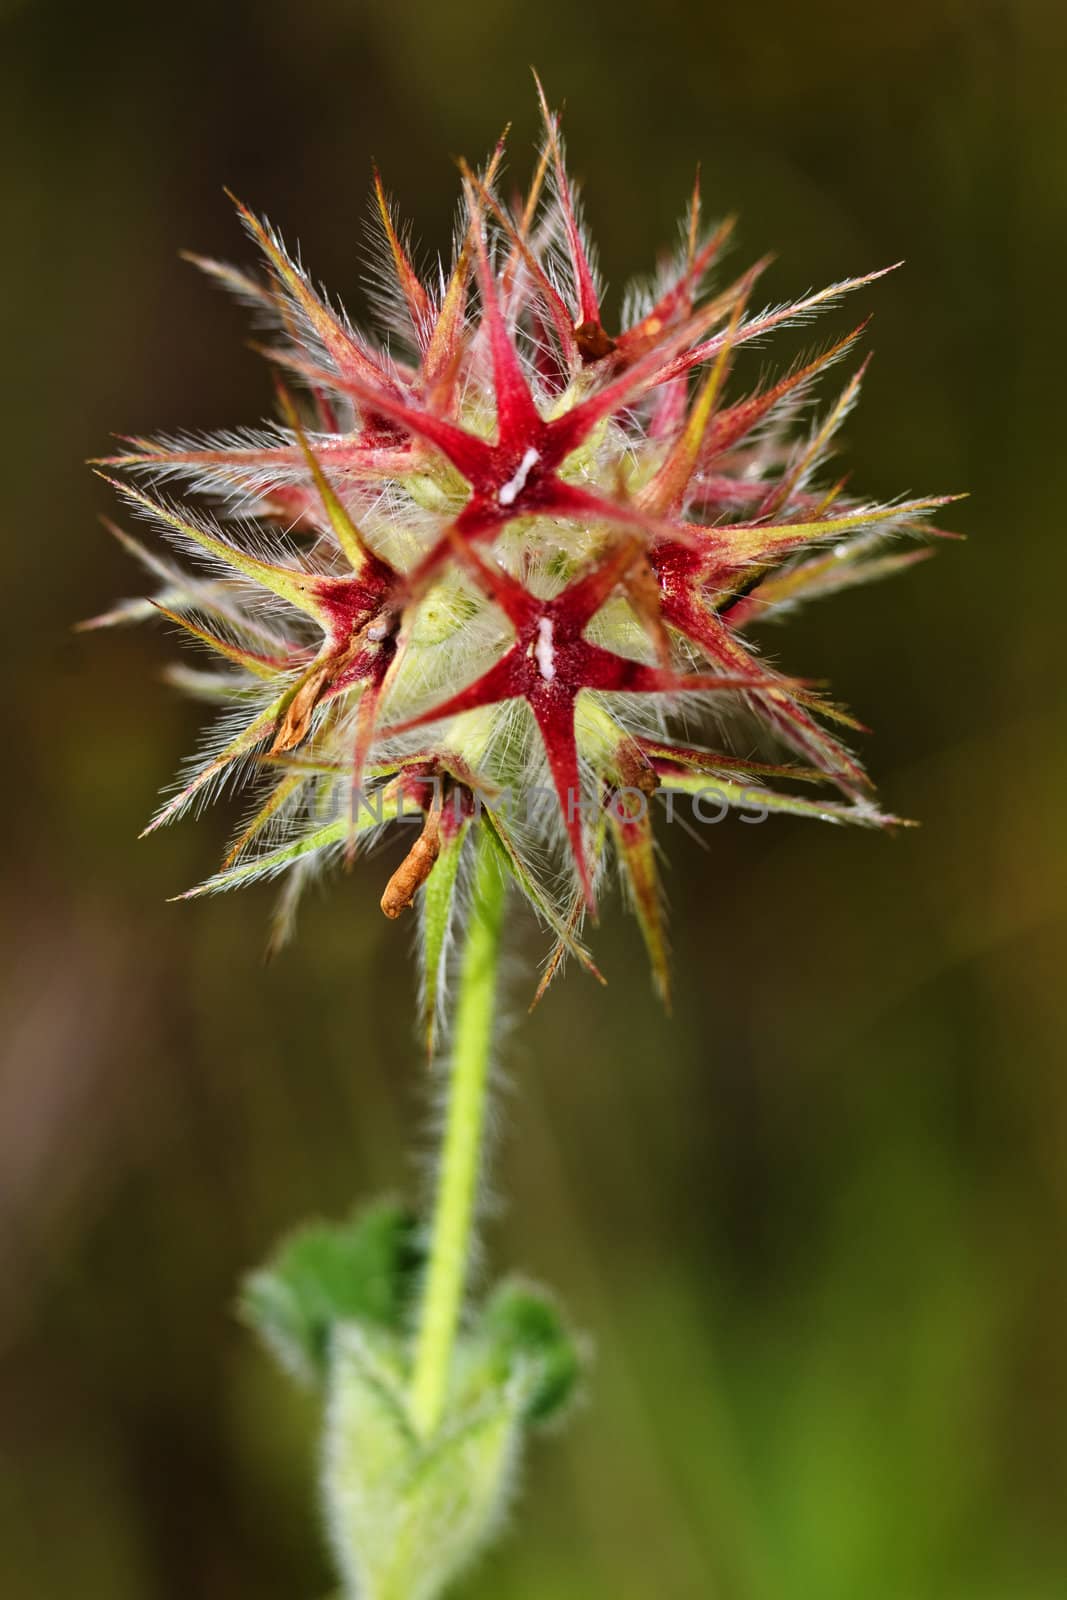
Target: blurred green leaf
<point>361,1271</point>
<point>530,1342</point>
<point>406,1513</point>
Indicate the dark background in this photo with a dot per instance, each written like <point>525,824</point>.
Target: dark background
<point>816,1222</point>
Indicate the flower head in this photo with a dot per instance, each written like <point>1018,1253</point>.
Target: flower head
<point>502,551</point>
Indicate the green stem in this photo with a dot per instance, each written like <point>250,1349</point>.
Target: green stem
<point>457,1181</point>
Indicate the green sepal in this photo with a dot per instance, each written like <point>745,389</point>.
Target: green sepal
<point>275,861</point>
<point>438,896</point>
<point>635,847</point>
<point>751,797</point>
<point>511,862</point>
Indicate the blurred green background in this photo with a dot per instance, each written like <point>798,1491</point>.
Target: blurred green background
<point>815,1223</point>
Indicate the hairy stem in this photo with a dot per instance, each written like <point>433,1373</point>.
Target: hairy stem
<point>457,1181</point>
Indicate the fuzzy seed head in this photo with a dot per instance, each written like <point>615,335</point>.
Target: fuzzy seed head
<point>498,550</point>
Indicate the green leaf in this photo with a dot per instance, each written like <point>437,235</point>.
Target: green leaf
<point>362,1271</point>
<point>407,1514</point>
<point>531,1343</point>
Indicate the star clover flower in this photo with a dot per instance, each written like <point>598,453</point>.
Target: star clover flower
<point>499,549</point>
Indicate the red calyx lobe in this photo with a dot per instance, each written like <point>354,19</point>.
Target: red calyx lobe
<point>517,473</point>
<point>550,663</point>
<point>683,575</point>
<point>359,617</point>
